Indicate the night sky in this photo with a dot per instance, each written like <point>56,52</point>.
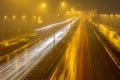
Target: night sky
<point>97,3</point>
<point>10,6</point>
<point>100,5</point>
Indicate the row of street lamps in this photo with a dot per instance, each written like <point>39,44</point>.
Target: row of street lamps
<point>14,17</point>
<point>108,15</point>
<point>45,5</point>
<point>38,18</point>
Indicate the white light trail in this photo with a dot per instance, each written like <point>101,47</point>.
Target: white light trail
<point>24,63</point>
<point>53,25</point>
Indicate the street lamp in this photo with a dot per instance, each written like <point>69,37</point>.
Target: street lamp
<point>63,8</point>
<point>63,4</point>
<point>5,17</point>
<point>40,21</point>
<point>112,15</point>
<point>34,17</point>
<point>72,9</point>
<point>14,17</point>
<point>43,5</point>
<point>23,16</point>
<point>67,12</point>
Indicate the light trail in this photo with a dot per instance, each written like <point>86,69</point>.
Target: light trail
<point>21,65</point>
<point>109,52</point>
<point>16,40</point>
<point>53,25</point>
<point>67,67</point>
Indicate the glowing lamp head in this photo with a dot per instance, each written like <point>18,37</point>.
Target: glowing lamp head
<point>62,4</point>
<point>43,5</point>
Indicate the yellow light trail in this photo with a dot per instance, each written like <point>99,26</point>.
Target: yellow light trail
<point>69,60</point>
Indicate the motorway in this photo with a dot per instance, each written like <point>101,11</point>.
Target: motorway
<point>87,56</point>
<point>77,51</point>
<point>97,60</point>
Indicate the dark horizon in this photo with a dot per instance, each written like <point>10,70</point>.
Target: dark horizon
<point>28,6</point>
<point>102,6</point>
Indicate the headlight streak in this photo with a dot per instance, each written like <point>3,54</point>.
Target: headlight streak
<point>23,64</point>
<point>53,25</point>
<point>66,69</point>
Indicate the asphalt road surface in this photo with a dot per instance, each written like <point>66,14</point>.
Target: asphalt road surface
<point>78,51</point>
<point>87,56</point>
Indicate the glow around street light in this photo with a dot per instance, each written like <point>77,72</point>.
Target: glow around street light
<point>63,4</point>
<point>5,17</point>
<point>23,16</point>
<point>40,21</point>
<point>112,15</point>
<point>14,17</point>
<point>34,17</point>
<point>43,5</point>
<point>67,12</point>
<point>72,9</point>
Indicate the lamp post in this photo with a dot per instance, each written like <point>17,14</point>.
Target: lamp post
<point>6,23</point>
<point>53,36</point>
